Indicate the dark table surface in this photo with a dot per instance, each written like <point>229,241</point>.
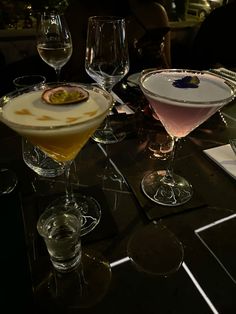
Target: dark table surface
<point>205,283</point>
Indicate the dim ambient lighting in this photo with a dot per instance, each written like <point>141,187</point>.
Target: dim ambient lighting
<point>190,274</point>
<point>199,288</point>
<point>215,223</point>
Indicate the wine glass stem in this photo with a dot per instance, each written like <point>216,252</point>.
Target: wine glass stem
<point>68,185</point>
<point>107,125</point>
<point>58,72</point>
<point>168,178</point>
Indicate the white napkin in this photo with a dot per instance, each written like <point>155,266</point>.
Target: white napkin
<point>122,108</point>
<point>224,157</point>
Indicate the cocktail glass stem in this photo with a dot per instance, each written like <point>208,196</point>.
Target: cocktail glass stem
<point>88,208</point>
<point>69,193</point>
<point>168,178</point>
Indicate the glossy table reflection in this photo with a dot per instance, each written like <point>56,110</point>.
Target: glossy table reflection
<point>206,281</point>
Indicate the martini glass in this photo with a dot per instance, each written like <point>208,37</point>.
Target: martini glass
<point>182,100</point>
<point>60,131</point>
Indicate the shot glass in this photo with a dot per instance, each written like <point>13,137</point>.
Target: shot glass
<point>60,230</point>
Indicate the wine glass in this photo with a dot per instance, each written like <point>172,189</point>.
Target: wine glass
<point>107,62</point>
<point>60,129</point>
<point>182,100</point>
<point>54,43</point>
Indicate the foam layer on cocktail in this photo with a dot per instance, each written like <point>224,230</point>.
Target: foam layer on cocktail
<point>210,89</point>
<point>60,130</point>
<point>181,110</point>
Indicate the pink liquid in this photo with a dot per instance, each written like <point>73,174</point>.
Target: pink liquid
<point>181,110</point>
<point>180,121</point>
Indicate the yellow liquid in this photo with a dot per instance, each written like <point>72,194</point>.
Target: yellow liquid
<point>62,148</point>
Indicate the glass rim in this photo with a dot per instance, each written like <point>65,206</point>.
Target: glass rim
<point>105,18</point>
<point>189,103</point>
<point>27,76</point>
<point>6,98</point>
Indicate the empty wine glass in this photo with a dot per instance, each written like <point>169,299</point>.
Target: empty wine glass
<point>54,43</point>
<point>182,100</point>
<point>107,62</point>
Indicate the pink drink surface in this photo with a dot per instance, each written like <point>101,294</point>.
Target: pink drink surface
<point>181,110</point>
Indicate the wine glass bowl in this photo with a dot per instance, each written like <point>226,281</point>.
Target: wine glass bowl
<point>182,100</point>
<point>106,62</point>
<point>54,43</point>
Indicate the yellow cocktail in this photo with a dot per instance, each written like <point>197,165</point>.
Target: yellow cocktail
<point>60,130</point>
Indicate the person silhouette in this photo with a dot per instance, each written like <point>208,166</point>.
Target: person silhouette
<point>149,35</point>
<point>213,45</point>
<point>147,32</point>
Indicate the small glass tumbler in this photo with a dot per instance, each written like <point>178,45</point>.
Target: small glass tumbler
<point>60,230</point>
<point>34,158</point>
<point>28,80</point>
<point>39,162</point>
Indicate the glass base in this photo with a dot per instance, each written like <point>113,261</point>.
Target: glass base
<point>159,190</point>
<point>108,136</point>
<point>82,288</point>
<point>90,210</point>
<point>8,181</point>
<point>154,249</point>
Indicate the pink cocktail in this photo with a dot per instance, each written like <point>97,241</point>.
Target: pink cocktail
<point>182,100</point>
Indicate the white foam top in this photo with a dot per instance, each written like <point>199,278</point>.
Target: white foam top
<point>29,109</point>
<point>210,88</point>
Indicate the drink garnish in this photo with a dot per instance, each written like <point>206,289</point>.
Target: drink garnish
<point>187,82</point>
<point>64,95</point>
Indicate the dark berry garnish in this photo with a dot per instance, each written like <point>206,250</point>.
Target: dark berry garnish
<point>187,82</point>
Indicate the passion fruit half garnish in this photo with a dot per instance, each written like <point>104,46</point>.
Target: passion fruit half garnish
<point>64,95</point>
